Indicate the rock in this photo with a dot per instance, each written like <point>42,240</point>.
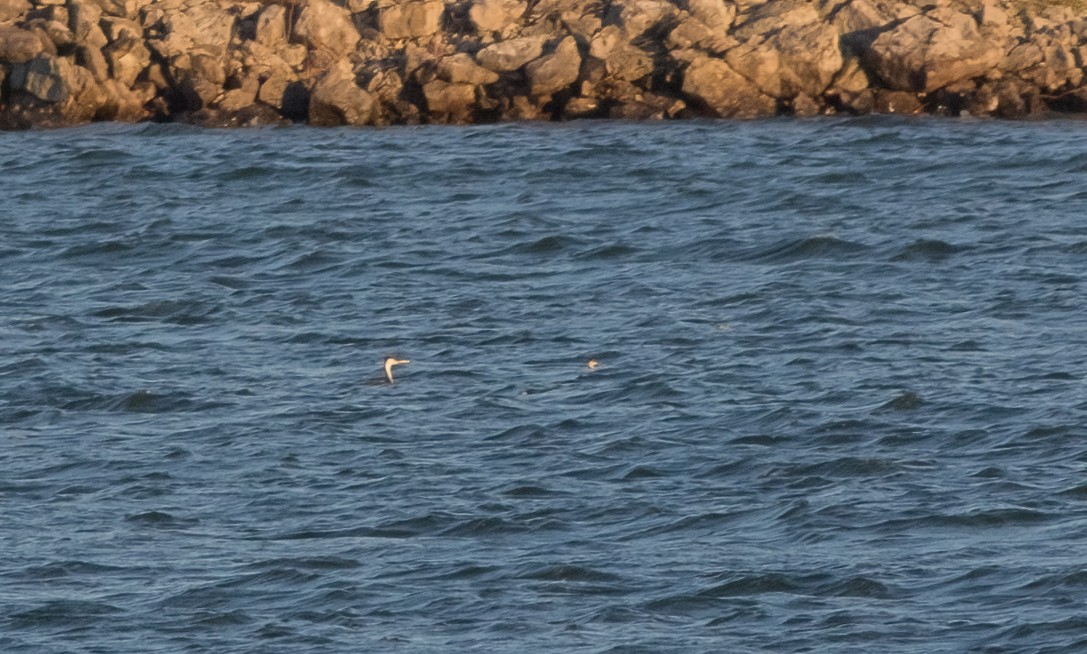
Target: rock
<point>555,71</point>
<point>271,27</point>
<point>120,103</point>
<point>11,10</point>
<point>45,77</point>
<point>200,27</point>
<point>924,54</point>
<point>462,69</point>
<point>495,15</point>
<point>1045,62</point>
<point>58,33</point>
<point>127,58</point>
<point>338,100</point>
<point>693,33</point>
<point>273,89</point>
<point>92,59</point>
<point>117,28</point>
<point>622,60</point>
<point>18,46</point>
<point>511,54</point>
<point>637,17</point>
<point>326,27</point>
<point>237,99</point>
<point>411,19</point>
<point>717,15</point>
<point>897,102</point>
<point>83,19</point>
<point>990,13</point>
<point>796,59</point>
<point>582,107</point>
<point>724,92</point>
<point>450,102</point>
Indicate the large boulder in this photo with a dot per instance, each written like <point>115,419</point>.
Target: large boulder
<point>717,15</point>
<point>637,17</point>
<point>10,10</point>
<point>789,54</point>
<point>1044,62</point>
<point>411,19</point>
<point>495,15</point>
<point>622,60</point>
<point>933,50</point>
<point>326,27</point>
<point>511,54</point>
<point>84,17</point>
<point>338,100</point>
<point>191,28</point>
<point>449,102</point>
<point>801,60</point>
<point>462,69</point>
<point>49,79</point>
<point>555,71</point>
<point>271,26</point>
<point>18,46</point>
<point>127,58</point>
<point>712,84</point>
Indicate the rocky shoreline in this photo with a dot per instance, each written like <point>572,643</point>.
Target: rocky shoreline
<point>381,62</point>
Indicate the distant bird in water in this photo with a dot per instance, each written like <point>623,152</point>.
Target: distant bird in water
<point>389,363</point>
<point>592,364</point>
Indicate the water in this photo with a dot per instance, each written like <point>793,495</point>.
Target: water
<point>840,406</point>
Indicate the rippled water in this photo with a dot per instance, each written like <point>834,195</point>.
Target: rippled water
<point>840,403</point>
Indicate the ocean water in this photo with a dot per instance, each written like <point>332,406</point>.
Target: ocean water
<point>840,403</point>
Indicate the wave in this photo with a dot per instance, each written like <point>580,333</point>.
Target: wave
<point>809,248</point>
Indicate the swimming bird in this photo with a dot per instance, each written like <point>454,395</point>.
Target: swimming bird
<point>389,363</point>
<point>592,364</point>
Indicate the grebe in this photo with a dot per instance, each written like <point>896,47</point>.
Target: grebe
<point>389,363</point>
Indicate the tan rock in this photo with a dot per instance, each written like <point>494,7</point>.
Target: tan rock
<point>122,103</point>
<point>724,92</point>
<point>92,59</point>
<point>851,78</point>
<point>271,27</point>
<point>1046,63</point>
<point>411,19</point>
<point>991,13</point>
<point>125,8</point>
<point>127,58</point>
<point>555,71</point>
<point>637,17</point>
<point>622,60</point>
<point>717,15</point>
<point>511,54</point>
<point>462,69</point>
<point>45,77</point>
<point>924,54</point>
<point>241,97</point>
<point>693,33</point>
<point>83,19</point>
<point>203,27</point>
<point>117,28</point>
<point>326,27</point>
<point>10,10</point>
<point>58,33</point>
<point>897,102</point>
<point>19,46</point>
<point>495,15</point>
<point>273,89</point>
<point>582,107</point>
<point>449,102</point>
<point>795,59</point>
<point>338,100</point>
